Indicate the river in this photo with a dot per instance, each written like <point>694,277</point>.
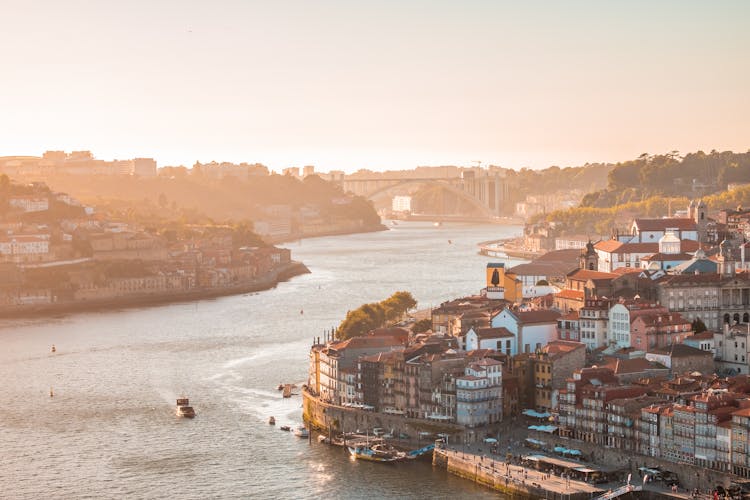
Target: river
<point>110,430</point>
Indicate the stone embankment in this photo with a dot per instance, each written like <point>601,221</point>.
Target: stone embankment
<point>326,416</point>
<point>269,280</point>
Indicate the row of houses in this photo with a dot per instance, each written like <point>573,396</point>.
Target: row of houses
<point>693,419</point>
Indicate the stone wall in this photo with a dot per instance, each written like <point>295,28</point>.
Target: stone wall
<point>325,416</point>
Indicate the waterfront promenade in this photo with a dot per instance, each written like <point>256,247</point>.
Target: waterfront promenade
<point>509,477</point>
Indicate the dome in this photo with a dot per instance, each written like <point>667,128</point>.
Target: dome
<point>669,243</point>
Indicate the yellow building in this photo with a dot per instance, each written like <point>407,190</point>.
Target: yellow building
<point>502,284</point>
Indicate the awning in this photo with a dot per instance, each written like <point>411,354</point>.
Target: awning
<point>536,414</point>
<point>543,428</point>
<point>536,442</point>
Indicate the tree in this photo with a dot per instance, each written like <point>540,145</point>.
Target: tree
<point>422,326</point>
<point>368,317</point>
<point>698,325</point>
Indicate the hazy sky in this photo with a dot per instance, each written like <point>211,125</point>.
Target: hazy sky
<point>374,84</point>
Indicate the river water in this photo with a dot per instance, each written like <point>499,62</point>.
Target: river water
<point>110,430</point>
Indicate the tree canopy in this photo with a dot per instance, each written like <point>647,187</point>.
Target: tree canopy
<point>368,317</point>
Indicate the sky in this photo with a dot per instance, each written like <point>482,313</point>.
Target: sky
<point>387,84</point>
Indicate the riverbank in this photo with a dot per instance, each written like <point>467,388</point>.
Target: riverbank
<point>269,280</point>
<point>291,238</point>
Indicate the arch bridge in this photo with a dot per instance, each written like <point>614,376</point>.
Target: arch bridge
<point>487,193</point>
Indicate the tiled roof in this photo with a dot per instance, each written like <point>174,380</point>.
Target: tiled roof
<point>493,333</point>
<point>570,294</point>
<point>682,224</point>
<point>682,351</point>
<point>585,274</point>
<point>667,257</point>
<point>608,246</point>
<point>540,316</point>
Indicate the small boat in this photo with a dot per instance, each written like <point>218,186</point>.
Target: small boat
<point>184,409</point>
<point>394,223</point>
<point>285,428</point>
<point>301,431</point>
<point>450,242</point>
<point>287,391</point>
<point>280,387</point>
<point>271,420</point>
<point>437,224</point>
<point>53,348</point>
<point>322,438</point>
<point>377,453</point>
<point>51,393</point>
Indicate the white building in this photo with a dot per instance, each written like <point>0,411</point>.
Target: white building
<point>532,329</point>
<point>401,204</point>
<point>24,248</point>
<point>29,203</point>
<point>479,394</point>
<point>497,339</point>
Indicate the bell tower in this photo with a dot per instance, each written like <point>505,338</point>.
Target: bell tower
<point>589,259</point>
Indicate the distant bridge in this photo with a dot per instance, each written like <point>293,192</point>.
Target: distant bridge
<point>487,193</point>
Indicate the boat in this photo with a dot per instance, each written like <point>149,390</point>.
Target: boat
<point>394,223</point>
<point>287,391</point>
<point>322,438</point>
<point>301,431</point>
<point>280,387</point>
<point>377,453</point>
<point>51,393</point>
<point>285,428</point>
<point>271,420</point>
<point>53,348</point>
<point>437,224</point>
<point>184,409</point>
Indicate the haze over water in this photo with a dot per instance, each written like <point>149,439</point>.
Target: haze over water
<point>110,430</point>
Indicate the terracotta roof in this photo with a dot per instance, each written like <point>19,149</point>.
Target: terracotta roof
<point>540,316</point>
<point>571,316</point>
<point>657,318</point>
<point>570,294</point>
<point>608,246</point>
<point>682,224</point>
<point>493,333</point>
<point>562,347</point>
<point>745,412</point>
<point>682,351</point>
<point>667,256</point>
<point>585,274</point>
<point>627,270</point>
<point>707,335</point>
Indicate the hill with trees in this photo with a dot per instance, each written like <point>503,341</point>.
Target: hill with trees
<point>368,317</point>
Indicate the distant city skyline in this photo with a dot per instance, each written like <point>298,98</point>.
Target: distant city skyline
<point>377,85</point>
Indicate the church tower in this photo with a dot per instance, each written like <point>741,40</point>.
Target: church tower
<point>589,259</point>
<point>726,259</point>
<point>700,216</point>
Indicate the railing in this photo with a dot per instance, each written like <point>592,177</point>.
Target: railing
<point>622,490</point>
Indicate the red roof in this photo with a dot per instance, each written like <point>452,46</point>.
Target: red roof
<point>540,316</point>
<point>682,224</point>
<point>570,294</point>
<point>493,333</point>
<point>585,274</point>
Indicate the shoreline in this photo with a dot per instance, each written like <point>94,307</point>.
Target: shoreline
<point>270,280</point>
<point>341,232</point>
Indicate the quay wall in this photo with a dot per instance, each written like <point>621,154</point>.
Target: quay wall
<point>324,416</point>
<point>492,478</point>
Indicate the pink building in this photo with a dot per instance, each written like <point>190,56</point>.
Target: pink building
<point>657,329</point>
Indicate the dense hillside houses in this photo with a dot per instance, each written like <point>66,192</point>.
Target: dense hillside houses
<point>644,347</point>
<point>56,251</point>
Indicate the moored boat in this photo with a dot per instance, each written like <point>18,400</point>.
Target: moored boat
<point>377,453</point>
<point>285,428</point>
<point>287,391</point>
<point>184,409</point>
<point>271,420</point>
<point>301,431</point>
